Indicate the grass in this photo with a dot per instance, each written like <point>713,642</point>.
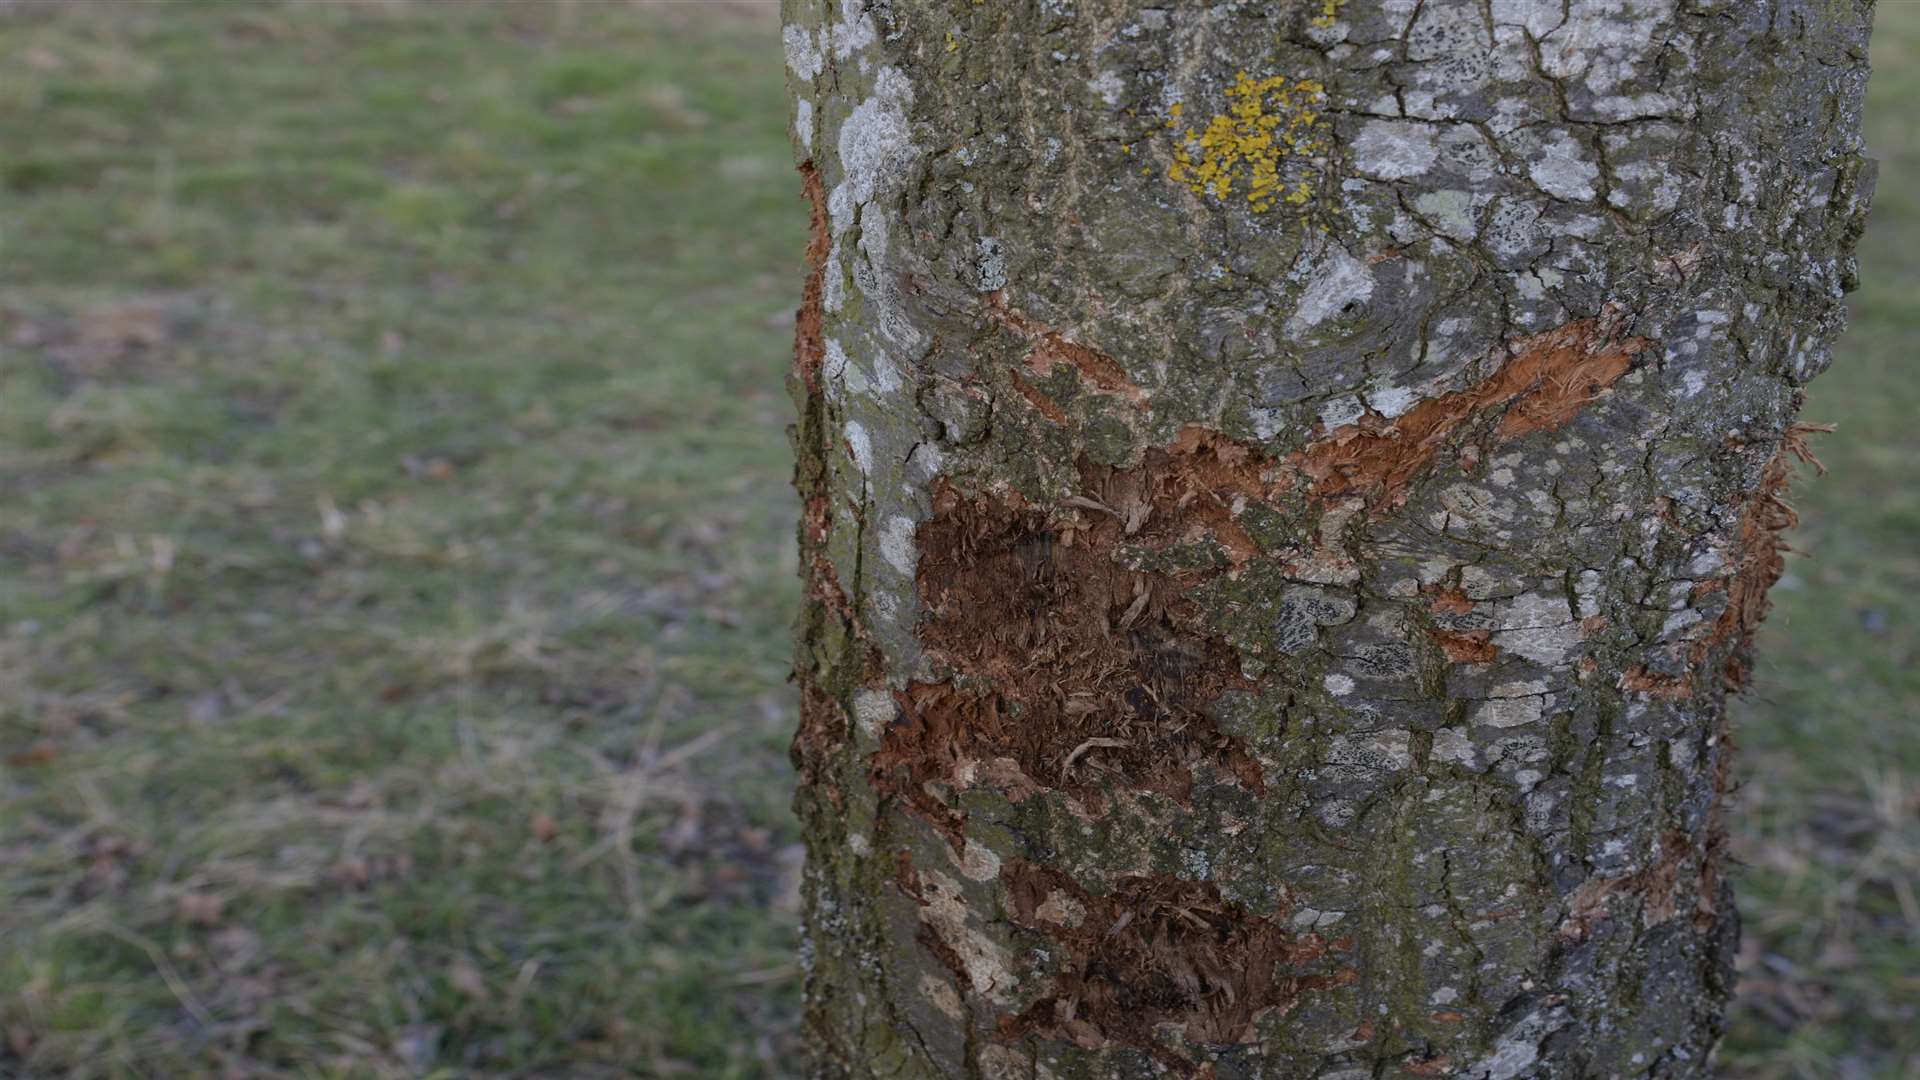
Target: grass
<point>397,552</point>
<point>1828,819</point>
<point>397,542</point>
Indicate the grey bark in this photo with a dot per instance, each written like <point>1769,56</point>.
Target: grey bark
<point>1282,627</point>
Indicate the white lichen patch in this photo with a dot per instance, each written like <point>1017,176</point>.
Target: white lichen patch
<point>1646,186</point>
<point>1337,813</point>
<point>804,58</point>
<point>990,265</point>
<point>855,30</point>
<point>1562,169</point>
<point>886,377</point>
<point>1601,43</point>
<point>875,147</point>
<point>1393,749</point>
<point>1536,282</point>
<point>860,446</point>
<point>1392,401</point>
<point>1306,918</point>
<point>1338,685</point>
<point>1450,212</point>
<point>1394,149</point>
<point>1678,623</point>
<point>1108,86</point>
<point>897,544</point>
<point>1452,745</point>
<point>1336,280</point>
<point>928,461</point>
<point>803,123</point>
<point>833,284</point>
<point>1269,422</point>
<point>1539,627</point>
<point>1340,411</point>
<point>1537,17</point>
<point>1508,712</point>
<point>835,365</point>
<point>883,610</point>
<point>872,710</point>
<point>978,862</point>
<point>1513,1055</point>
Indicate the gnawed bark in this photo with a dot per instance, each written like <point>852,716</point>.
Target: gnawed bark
<point>1287,491</point>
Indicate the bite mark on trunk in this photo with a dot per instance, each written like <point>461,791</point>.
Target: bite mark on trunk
<point>1156,950</point>
<point>1070,670</point>
<point>821,733</point>
<point>809,343</point>
<point>1043,404</point>
<point>1547,379</point>
<point>1762,559</point>
<point>1759,560</point>
<point>1654,684</point>
<point>823,727</point>
<point>1050,349</point>
<point>1657,885</point>
<point>1467,646</point>
<point>1760,550</point>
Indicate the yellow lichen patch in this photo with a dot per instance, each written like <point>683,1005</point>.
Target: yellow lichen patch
<point>1329,10</point>
<point>1268,121</point>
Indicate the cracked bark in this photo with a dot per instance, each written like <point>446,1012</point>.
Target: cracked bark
<point>1288,491</point>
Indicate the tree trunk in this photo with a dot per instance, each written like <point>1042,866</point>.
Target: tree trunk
<point>1289,488</point>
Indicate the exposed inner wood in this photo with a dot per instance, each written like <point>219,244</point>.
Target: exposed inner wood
<point>1546,379</point>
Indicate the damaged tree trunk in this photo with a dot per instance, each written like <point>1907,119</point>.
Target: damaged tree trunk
<point>1289,488</point>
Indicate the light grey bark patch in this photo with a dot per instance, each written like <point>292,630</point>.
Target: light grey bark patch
<point>1336,282</point>
<point>855,30</point>
<point>860,446</point>
<point>1450,211</point>
<point>875,146</point>
<point>1639,163</point>
<point>990,266</point>
<point>1393,149</point>
<point>803,124</point>
<point>1604,56</point>
<point>897,546</point>
<point>1562,167</point>
<point>1515,236</point>
<point>1303,611</point>
<point>1537,17</point>
<point>803,55</point>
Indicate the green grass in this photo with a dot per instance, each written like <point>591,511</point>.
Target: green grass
<point>1828,819</point>
<point>397,541</point>
<point>396,558</point>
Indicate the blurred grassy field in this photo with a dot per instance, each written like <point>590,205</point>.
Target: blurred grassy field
<point>395,559</point>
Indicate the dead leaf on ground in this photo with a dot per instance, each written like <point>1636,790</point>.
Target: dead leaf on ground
<point>42,752</point>
<point>110,340</point>
<point>465,977</point>
<point>544,827</point>
<point>202,909</point>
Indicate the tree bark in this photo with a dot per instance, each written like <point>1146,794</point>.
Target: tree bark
<point>1289,488</point>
